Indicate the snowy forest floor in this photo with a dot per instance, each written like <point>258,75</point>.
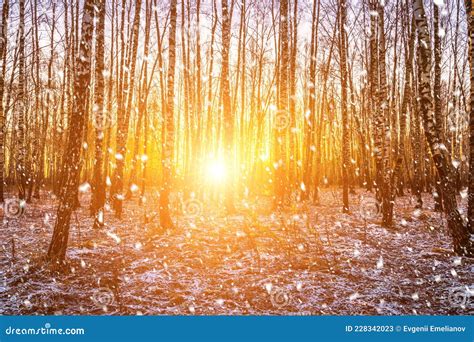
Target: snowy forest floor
<point>308,260</point>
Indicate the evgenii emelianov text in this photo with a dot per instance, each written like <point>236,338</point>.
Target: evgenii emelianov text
<point>433,329</point>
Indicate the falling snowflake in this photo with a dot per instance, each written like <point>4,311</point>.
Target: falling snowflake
<point>84,187</point>
<point>354,296</point>
<point>380,263</point>
<point>114,236</point>
<point>299,286</point>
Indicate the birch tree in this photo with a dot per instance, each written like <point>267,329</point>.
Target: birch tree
<point>98,184</point>
<point>168,122</point>
<point>226,102</point>
<point>437,95</point>
<point>383,114</point>
<point>470,20</point>
<point>442,160</point>
<point>344,113</point>
<point>78,115</point>
<point>21,107</point>
<point>124,115</point>
<point>282,112</point>
<point>3,52</point>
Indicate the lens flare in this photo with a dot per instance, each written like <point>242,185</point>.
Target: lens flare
<point>216,171</point>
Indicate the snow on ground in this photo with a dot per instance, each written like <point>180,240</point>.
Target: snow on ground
<point>308,260</point>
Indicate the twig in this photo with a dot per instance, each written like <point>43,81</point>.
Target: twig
<point>331,246</point>
<point>13,249</point>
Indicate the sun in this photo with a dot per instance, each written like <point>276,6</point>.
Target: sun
<point>216,171</point>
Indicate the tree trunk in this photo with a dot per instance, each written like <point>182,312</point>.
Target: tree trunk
<point>294,153</point>
<point>21,108</point>
<point>142,104</point>
<point>470,214</point>
<point>440,155</point>
<point>344,113</point>
<point>124,116</point>
<point>437,99</point>
<point>374,88</point>
<point>384,117</point>
<point>78,115</point>
<point>282,116</point>
<point>3,48</point>
<point>407,94</point>
<point>310,120</point>
<point>100,120</point>
<point>167,162</point>
<point>226,102</point>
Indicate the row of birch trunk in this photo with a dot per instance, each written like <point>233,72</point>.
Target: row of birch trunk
<point>294,95</point>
